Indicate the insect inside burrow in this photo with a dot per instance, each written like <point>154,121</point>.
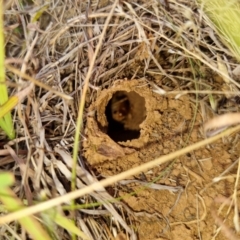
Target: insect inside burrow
<point>120,107</point>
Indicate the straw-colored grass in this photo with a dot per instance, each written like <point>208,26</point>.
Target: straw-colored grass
<point>58,57</point>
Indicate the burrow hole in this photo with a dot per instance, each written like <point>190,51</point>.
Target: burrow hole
<point>119,110</point>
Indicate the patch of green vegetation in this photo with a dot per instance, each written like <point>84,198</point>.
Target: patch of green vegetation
<point>224,16</point>
<point>6,122</point>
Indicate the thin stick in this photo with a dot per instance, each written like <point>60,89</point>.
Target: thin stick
<point>83,96</point>
<point>106,182</point>
<point>36,82</point>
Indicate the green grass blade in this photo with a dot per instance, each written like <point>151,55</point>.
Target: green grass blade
<point>6,180</point>
<point>5,116</point>
<point>224,16</point>
<point>29,223</point>
<point>6,122</point>
<point>8,106</point>
<point>69,226</point>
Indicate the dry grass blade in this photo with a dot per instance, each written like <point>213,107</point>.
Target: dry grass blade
<point>235,199</point>
<point>226,230</point>
<point>98,185</point>
<point>84,49</point>
<point>220,123</point>
<point>101,195</point>
<point>36,82</point>
<point>197,220</point>
<point>85,88</point>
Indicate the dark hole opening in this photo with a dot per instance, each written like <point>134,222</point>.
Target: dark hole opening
<point>117,112</point>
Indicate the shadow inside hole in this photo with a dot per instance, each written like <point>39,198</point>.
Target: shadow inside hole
<point>117,109</point>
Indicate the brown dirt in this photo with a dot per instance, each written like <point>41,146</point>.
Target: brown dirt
<point>167,126</point>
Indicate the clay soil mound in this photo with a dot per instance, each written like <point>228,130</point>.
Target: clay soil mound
<point>172,199</point>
